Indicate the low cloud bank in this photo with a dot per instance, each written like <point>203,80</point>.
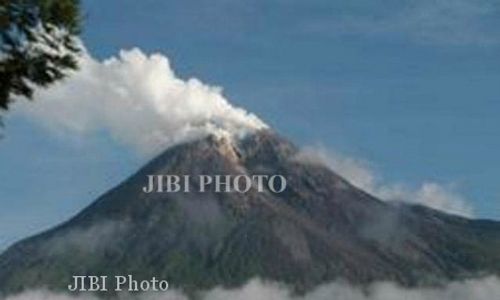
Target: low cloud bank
<point>361,174</point>
<point>479,289</point>
<point>140,101</point>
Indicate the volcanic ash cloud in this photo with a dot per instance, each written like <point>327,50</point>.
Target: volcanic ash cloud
<point>140,101</point>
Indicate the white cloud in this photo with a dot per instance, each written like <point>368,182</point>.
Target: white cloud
<point>479,289</point>
<point>362,175</point>
<point>356,171</point>
<point>431,194</point>
<point>140,101</point>
<point>87,239</point>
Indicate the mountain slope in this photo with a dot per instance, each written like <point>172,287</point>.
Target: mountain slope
<point>320,229</point>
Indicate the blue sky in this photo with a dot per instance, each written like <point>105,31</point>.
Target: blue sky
<point>410,86</point>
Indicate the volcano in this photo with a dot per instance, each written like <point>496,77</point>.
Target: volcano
<point>320,229</point>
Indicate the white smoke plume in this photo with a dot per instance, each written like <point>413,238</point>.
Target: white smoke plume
<point>479,289</point>
<point>139,101</point>
<point>361,174</point>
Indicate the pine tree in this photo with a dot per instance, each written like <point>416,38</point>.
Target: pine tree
<point>38,45</point>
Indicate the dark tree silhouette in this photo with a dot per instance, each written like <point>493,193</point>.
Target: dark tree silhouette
<point>38,45</point>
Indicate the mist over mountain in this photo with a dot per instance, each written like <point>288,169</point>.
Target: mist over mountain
<point>321,229</point>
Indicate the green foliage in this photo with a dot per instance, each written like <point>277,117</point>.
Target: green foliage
<point>38,45</point>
